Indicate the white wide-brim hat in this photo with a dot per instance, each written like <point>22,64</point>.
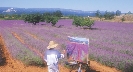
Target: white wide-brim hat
<point>52,44</point>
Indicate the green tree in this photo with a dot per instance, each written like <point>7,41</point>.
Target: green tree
<point>101,16</point>
<point>97,13</point>
<point>118,13</point>
<point>57,13</point>
<point>109,15</point>
<point>47,17</point>
<point>54,20</point>
<point>129,12</point>
<point>112,14</point>
<point>87,22</point>
<point>33,18</point>
<point>79,21</point>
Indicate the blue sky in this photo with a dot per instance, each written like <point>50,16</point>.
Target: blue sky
<point>86,5</point>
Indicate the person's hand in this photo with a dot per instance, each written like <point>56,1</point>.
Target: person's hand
<point>80,65</point>
<point>64,51</point>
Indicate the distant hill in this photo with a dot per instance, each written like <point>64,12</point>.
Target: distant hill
<point>14,10</point>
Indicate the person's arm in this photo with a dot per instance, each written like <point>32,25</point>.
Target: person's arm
<point>45,56</point>
<point>62,54</point>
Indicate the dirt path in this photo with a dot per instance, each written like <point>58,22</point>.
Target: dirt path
<point>99,67</point>
<point>13,65</point>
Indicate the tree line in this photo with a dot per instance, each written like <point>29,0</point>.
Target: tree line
<point>34,18</point>
<point>49,18</point>
<point>109,15</point>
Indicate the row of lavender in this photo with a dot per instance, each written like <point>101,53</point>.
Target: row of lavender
<point>110,43</point>
<point>19,50</point>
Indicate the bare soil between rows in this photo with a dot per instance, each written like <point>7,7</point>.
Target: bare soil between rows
<point>12,65</point>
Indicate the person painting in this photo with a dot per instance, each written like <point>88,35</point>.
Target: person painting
<point>51,56</point>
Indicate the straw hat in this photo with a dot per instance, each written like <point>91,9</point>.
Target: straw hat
<point>52,44</point>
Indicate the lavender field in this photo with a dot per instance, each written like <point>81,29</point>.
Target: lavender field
<point>111,43</point>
